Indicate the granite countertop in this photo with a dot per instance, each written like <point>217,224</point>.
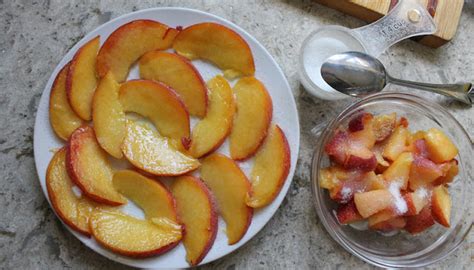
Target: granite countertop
<point>37,33</point>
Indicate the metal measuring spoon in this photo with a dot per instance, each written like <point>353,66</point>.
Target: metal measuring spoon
<point>358,74</point>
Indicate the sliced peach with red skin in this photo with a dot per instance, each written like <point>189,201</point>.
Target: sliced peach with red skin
<point>149,194</point>
<point>180,74</point>
<point>440,147</point>
<point>73,210</point>
<point>441,205</point>
<point>152,153</point>
<point>108,116</point>
<point>393,224</point>
<point>399,170</point>
<point>130,41</point>
<point>160,104</point>
<point>347,213</point>
<point>210,132</point>
<point>134,237</point>
<point>218,44</point>
<point>418,223</point>
<point>371,202</point>
<point>350,155</point>
<point>396,143</point>
<point>361,130</point>
<point>61,116</point>
<point>82,80</point>
<point>270,170</point>
<point>89,168</point>
<point>252,118</point>
<point>230,187</point>
<point>450,170</point>
<point>415,201</point>
<point>423,172</point>
<point>198,212</point>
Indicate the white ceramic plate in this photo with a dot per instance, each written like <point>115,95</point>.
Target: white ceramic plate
<point>284,114</point>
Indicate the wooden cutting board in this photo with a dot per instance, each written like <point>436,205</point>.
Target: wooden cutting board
<point>446,15</point>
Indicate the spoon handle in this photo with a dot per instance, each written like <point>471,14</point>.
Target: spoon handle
<point>463,92</point>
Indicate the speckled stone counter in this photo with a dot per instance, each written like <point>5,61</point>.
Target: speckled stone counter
<point>36,34</point>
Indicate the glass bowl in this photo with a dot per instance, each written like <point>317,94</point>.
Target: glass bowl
<point>401,249</point>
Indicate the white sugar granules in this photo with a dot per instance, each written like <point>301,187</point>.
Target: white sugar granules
<point>400,204</point>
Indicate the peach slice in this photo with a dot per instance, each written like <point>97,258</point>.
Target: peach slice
<point>252,118</point>
<point>133,237</point>
<point>396,143</point>
<point>450,170</point>
<point>423,172</point>
<point>395,223</point>
<point>350,154</point>
<point>361,130</point>
<point>347,213</point>
<point>61,116</point>
<point>271,167</point>
<point>73,210</point>
<point>418,223</point>
<point>130,41</point>
<point>89,168</point>
<point>198,213</point>
<point>441,205</point>
<point>150,195</point>
<point>160,104</point>
<point>415,201</point>
<point>440,147</point>
<point>399,170</point>
<point>108,116</point>
<point>230,186</point>
<point>211,131</point>
<point>217,44</point>
<point>371,202</point>
<point>177,72</point>
<point>147,150</point>
<point>81,79</point>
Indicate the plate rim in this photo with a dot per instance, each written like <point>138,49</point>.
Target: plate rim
<point>131,15</point>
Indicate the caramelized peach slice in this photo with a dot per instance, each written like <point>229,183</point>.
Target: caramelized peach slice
<point>177,72</point>
<point>272,165</point>
<point>399,170</point>
<point>217,44</point>
<point>73,210</point>
<point>211,131</point>
<point>440,147</point>
<point>441,205</point>
<point>108,116</point>
<point>61,116</point>
<point>150,195</point>
<point>147,150</point>
<point>252,118</point>
<point>133,237</point>
<point>230,186</point>
<point>90,169</point>
<point>81,79</point>
<point>130,41</point>
<point>197,211</point>
<point>160,104</point>
<point>371,202</point>
<point>396,143</point>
